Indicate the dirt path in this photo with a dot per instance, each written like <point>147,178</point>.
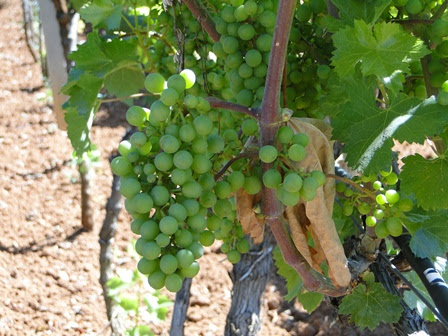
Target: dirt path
<point>48,266</point>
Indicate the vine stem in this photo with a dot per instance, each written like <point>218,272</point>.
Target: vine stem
<point>204,18</point>
<point>219,103</point>
<point>231,161</point>
<point>440,11</point>
<point>353,184</point>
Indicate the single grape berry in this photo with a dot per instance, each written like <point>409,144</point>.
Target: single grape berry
<point>371,221</point>
<point>394,226</point>
<point>292,183</point>
<point>392,196</point>
<point>285,134</point>
<point>272,178</point>
<point>154,83</point>
<point>268,154</point>
<point>296,153</point>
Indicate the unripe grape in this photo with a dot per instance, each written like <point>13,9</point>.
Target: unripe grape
<point>236,180</point>
<point>381,230</point>
<point>149,230</point>
<point>189,77</point>
<point>142,203</point>
<point>371,221</point>
<point>364,208</point>
<point>168,264</point>
<point>377,185</point>
<point>121,166</point>
<point>185,258</point>
<point>301,139</point>
<point>207,238</point>
<point>173,282</point>
<point>268,154</point>
<point>414,6</point>
<point>286,197</point>
<point>319,176</point>
<point>197,250</point>
<point>146,266</point>
<point>323,71</point>
<point>252,185</point>
<point>392,196</point>
<point>151,250</point>
<point>154,83</point>
<point>177,82</point>
<point>440,28</point>
<point>340,187</point>
<point>157,280</point>
<point>296,153</point>
<point>168,225</point>
<point>160,195</point>
<point>394,226</point>
<point>285,134</point>
<point>272,178</point>
<point>162,240</point>
<point>129,187</point>
<point>234,256</point>
<point>192,189</point>
<point>292,183</point>
<point>136,116</point>
<point>378,213</point>
<point>347,209</point>
<point>405,205</point>
<point>381,199</point>
<point>249,127</point>
<point>183,238</point>
<point>190,271</point>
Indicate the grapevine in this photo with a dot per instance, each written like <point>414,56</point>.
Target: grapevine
<point>242,100</point>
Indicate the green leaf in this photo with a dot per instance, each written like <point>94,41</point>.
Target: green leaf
<point>380,52</point>
<point>114,283</point>
<point>431,238</point>
<point>309,300</point>
<point>367,10</point>
<point>368,131</point>
<point>124,79</point>
<point>413,301</point>
<point>128,302</point>
<point>90,57</point>
<point>427,180</point>
<point>369,307</point>
<point>344,225</point>
<point>102,13</point>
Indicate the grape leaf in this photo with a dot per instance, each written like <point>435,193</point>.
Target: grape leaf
<point>309,300</point>
<point>370,306</point>
<point>413,301</point>
<point>90,57</point>
<point>124,79</point>
<point>102,13</point>
<point>368,131</point>
<point>380,52</point>
<point>367,10</point>
<point>427,180</point>
<point>431,238</point>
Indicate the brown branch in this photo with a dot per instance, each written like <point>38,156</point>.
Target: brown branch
<point>231,161</point>
<point>440,11</point>
<point>203,16</point>
<point>353,184</point>
<point>218,103</point>
<point>332,9</point>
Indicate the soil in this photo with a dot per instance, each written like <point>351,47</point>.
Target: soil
<point>49,267</point>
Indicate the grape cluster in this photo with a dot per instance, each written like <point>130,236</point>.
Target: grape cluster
<point>386,211</point>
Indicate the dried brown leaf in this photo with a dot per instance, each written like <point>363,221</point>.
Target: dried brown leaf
<point>251,224</point>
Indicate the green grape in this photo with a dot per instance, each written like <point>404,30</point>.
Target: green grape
<point>253,58</point>
<point>392,196</point>
<point>292,183</point>
<point>172,129</point>
<point>179,176</point>
<point>442,98</point>
<point>213,223</point>
<point>203,105</point>
<point>420,92</point>
<point>133,156</point>
<point>310,184</point>
<point>268,154</point>
<point>192,189</point>
<point>185,258</point>
<point>169,144</point>
<point>139,244</point>
<point>146,266</point>
<point>192,206</point>
<point>223,189</point>
<point>243,246</point>
<point>183,238</point>
<point>160,195</point>
<point>207,238</point>
<point>285,134</point>
<point>136,225</point>
<point>149,230</point>
<point>203,125</point>
<point>323,71</point>
<point>386,173</point>
<point>245,97</point>
<point>227,14</point>
<point>190,101</point>
<point>296,153</point>
<point>145,149</point>
<point>272,178</point>
<point>264,42</point>
<point>230,45</point>
<point>405,205</point>
<point>377,185</point>
<point>394,226</point>
<point>347,209</point>
<point>189,77</point>
<point>168,264</point>
<point>234,60</point>
<point>437,79</point>
<point>159,112</point>
<point>197,250</point>
<point>286,197</point>
<point>178,211</point>
<point>371,221</point>
<point>124,148</point>
<point>381,230</point>
<point>252,185</point>
<point>378,213</point>
<point>162,240</point>
<point>236,180</point>
<point>154,83</point>
<point>381,199</point>
<point>440,28</point>
<point>222,208</point>
<point>187,133</point>
<point>215,144</point>
<point>173,282</point>
<point>197,223</point>
<point>157,280</point>
<point>177,82</point>
<point>414,6</point>
<point>391,179</point>
<point>121,166</point>
<point>230,135</point>
<point>319,176</point>
<point>303,13</point>
<point>136,116</point>
<point>444,88</point>
<point>364,208</point>
<point>169,97</point>
<point>208,199</point>
<point>142,203</point>
<point>225,248</point>
<point>267,19</point>
<point>182,159</point>
<point>249,127</point>
<point>250,7</point>
<point>163,161</point>
<point>234,256</point>
<point>207,181</point>
<point>190,271</point>
<point>340,187</point>
<point>151,250</point>
<point>168,225</point>
<point>129,187</point>
<point>201,164</point>
<point>246,32</point>
<point>308,194</point>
